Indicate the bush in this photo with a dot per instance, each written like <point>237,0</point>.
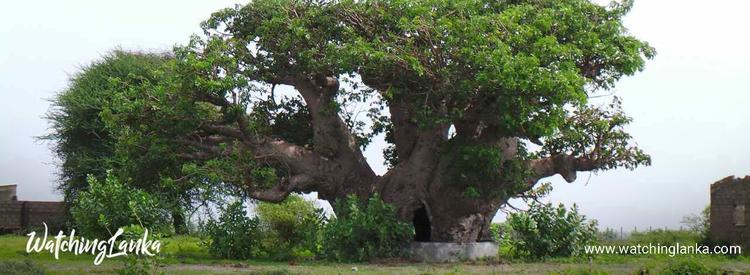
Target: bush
<point>362,232</point>
<point>234,235</point>
<point>686,267</point>
<point>26,267</point>
<point>664,237</point>
<point>109,205</point>
<point>496,231</point>
<point>547,231</point>
<point>291,227</point>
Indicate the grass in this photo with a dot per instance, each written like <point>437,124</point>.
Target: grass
<point>186,255</point>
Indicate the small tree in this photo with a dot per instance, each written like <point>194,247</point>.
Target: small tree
<point>548,231</point>
<point>699,223</point>
<point>88,146</point>
<point>234,235</point>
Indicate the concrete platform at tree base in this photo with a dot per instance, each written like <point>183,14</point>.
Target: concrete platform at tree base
<point>434,252</point>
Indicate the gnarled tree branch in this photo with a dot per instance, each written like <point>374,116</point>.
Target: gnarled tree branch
<point>285,187</point>
<point>565,165</point>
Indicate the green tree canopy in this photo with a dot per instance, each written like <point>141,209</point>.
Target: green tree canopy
<point>451,84</point>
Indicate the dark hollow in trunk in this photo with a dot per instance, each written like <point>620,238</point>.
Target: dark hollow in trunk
<point>422,226</point>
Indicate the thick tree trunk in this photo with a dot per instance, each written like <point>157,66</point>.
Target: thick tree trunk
<point>425,193</point>
<point>443,213</point>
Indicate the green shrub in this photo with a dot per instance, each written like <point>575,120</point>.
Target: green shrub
<point>686,267</point>
<point>109,205</point>
<point>362,232</point>
<point>26,267</point>
<point>185,249</point>
<point>234,235</point>
<point>664,237</point>
<point>546,231</point>
<point>290,228</point>
<point>496,231</point>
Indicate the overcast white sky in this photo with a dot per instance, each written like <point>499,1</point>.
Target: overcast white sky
<point>690,105</point>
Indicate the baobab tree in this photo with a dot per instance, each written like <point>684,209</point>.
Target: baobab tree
<point>478,100</point>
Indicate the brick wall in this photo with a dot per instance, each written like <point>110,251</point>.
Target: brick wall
<point>10,215</point>
<point>15,215</point>
<point>730,211</point>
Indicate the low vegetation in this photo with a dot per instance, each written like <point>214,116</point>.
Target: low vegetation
<point>296,230</point>
<point>234,235</point>
<point>543,239</point>
<point>365,231</point>
<point>26,266</point>
<point>686,267</point>
<point>545,231</point>
<point>291,228</point>
<point>187,255</point>
<point>108,205</point>
<point>665,237</point>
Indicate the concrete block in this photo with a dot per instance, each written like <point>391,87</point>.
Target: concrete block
<point>434,252</point>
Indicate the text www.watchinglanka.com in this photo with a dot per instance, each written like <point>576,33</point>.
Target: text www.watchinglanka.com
<point>659,249</point>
